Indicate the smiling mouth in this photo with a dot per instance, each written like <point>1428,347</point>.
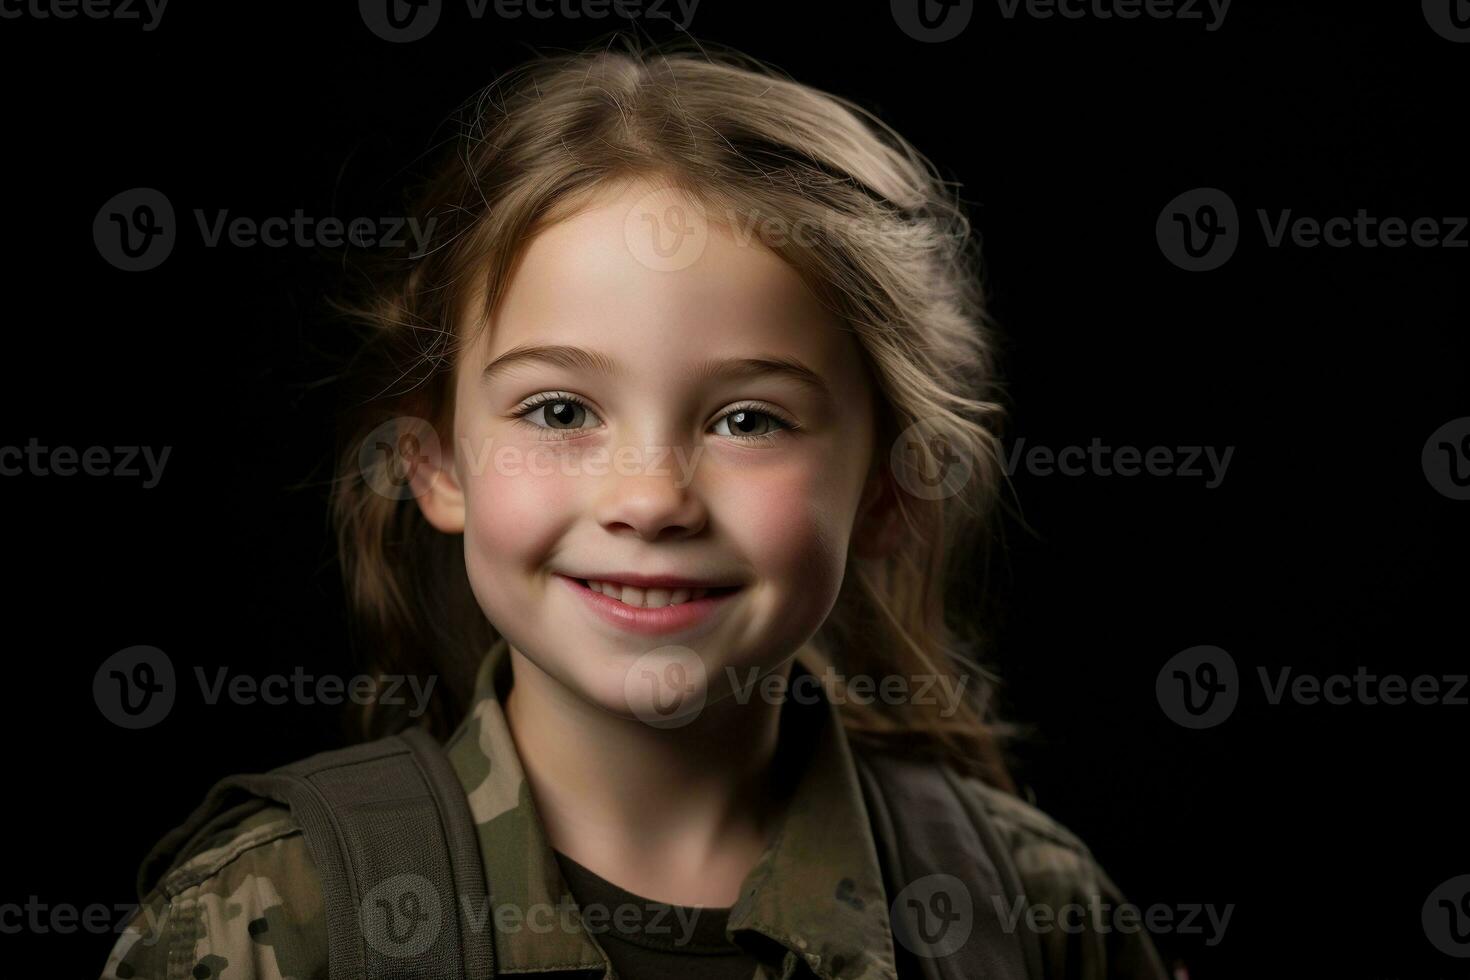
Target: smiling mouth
<point>653,598</point>
<point>672,607</point>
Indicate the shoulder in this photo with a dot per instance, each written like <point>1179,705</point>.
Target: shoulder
<point>1039,845</point>
<point>1084,925</point>
<point>246,903</point>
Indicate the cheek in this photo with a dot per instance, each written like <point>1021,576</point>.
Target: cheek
<point>515,507</point>
<point>793,523</point>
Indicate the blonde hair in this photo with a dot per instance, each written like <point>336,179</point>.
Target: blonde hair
<point>887,247</point>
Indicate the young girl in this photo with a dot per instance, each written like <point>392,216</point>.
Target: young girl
<point>667,444</point>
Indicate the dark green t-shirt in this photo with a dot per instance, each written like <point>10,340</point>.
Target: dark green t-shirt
<point>648,940</point>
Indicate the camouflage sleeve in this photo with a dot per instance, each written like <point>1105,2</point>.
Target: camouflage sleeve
<point>246,907</point>
<point>1085,927</point>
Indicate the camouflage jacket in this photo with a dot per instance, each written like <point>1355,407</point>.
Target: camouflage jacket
<point>248,905</point>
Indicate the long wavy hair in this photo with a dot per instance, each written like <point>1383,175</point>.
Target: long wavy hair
<point>885,244</point>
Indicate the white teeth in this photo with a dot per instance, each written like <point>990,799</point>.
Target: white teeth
<point>645,598</point>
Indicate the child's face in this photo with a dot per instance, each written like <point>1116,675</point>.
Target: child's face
<point>648,471</point>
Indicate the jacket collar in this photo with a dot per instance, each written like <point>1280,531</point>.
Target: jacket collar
<point>817,891</point>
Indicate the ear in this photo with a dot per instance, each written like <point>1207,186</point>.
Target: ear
<point>876,531</point>
<point>436,487</point>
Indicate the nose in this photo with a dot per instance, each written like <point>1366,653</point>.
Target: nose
<point>652,503</point>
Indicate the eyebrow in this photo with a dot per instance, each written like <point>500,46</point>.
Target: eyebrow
<point>578,358</point>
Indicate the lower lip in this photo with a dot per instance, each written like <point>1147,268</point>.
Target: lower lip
<point>637,619</point>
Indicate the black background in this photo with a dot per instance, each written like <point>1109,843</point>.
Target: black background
<point>1324,549</point>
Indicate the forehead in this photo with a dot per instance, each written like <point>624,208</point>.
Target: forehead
<point>646,275</point>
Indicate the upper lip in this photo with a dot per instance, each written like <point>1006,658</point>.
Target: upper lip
<point>641,581</point>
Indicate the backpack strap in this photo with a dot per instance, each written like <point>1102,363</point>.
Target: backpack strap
<point>389,827</point>
<point>924,827</point>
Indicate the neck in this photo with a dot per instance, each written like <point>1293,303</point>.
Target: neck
<point>678,815</point>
